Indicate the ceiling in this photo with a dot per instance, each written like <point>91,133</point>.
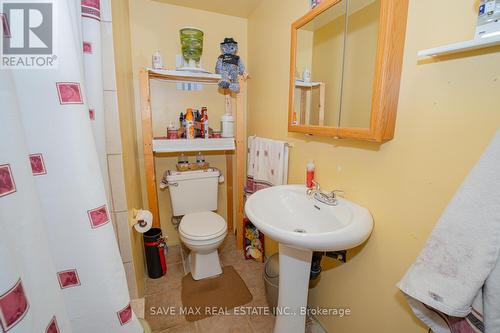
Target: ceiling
<point>241,8</point>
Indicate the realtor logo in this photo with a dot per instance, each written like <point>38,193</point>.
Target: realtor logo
<point>29,42</point>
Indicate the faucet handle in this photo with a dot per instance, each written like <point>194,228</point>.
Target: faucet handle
<point>337,193</point>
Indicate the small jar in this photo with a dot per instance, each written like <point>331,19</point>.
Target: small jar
<point>172,132</point>
<point>216,135</point>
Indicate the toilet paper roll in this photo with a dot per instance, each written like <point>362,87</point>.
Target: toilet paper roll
<point>143,221</point>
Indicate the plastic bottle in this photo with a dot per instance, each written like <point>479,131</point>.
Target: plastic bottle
<point>489,11</point>
<point>204,122</point>
<point>181,120</point>
<point>200,159</point>
<point>310,174</point>
<point>227,126</point>
<point>488,23</point>
<point>189,124</point>
<point>197,122</point>
<point>306,75</point>
<point>183,159</point>
<point>172,131</point>
<point>157,60</point>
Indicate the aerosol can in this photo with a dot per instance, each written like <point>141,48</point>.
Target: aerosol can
<point>488,24</point>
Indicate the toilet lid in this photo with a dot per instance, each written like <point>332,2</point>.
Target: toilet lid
<point>201,225</point>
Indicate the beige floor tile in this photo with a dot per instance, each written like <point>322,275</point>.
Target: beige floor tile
<point>314,327</point>
<point>224,324</point>
<point>183,328</point>
<point>229,244</point>
<point>251,272</point>
<point>231,258</point>
<point>158,312</point>
<point>259,297</point>
<point>172,280</point>
<point>184,251</point>
<point>174,255</point>
<point>166,292</point>
<point>262,324</point>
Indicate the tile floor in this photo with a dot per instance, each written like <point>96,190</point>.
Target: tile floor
<point>167,292</point>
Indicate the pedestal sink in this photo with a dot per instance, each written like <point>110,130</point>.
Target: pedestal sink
<point>301,224</point>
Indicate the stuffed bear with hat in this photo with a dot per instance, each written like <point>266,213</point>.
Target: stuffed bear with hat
<point>229,65</point>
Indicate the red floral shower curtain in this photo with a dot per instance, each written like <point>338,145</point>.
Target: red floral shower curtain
<point>60,268</point>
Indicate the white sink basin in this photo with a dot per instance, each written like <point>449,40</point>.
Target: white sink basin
<point>287,215</point>
<point>302,224</point>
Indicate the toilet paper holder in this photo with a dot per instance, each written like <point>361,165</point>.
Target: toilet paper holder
<point>135,221</point>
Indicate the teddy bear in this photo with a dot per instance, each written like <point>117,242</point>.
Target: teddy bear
<point>229,65</point>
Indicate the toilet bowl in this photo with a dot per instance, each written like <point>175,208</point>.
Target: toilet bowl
<point>203,233</point>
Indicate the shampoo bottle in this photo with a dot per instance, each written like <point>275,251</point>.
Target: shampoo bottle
<point>189,124</point>
<point>310,174</point>
<point>204,122</point>
<point>157,60</point>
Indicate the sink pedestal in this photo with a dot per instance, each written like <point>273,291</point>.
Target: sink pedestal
<point>301,224</point>
<point>295,266</point>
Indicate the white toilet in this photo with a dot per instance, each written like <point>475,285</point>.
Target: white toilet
<point>194,195</point>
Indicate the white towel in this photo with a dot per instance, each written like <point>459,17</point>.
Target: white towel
<point>267,163</point>
<point>457,275</point>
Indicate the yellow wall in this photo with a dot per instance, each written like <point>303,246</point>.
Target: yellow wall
<point>448,112</point>
<point>154,26</point>
<point>123,64</point>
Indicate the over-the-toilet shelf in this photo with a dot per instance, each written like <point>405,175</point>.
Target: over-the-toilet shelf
<point>230,147</point>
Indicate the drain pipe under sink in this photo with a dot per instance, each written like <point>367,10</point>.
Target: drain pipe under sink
<point>316,261</point>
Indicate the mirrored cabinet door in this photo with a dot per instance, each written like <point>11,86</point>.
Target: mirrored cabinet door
<point>319,68</point>
<point>346,61</point>
<point>359,63</point>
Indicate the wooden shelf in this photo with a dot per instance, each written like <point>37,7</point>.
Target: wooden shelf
<point>195,145</point>
<point>183,76</point>
<point>469,45</point>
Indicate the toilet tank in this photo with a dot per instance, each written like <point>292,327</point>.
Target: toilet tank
<point>193,191</point>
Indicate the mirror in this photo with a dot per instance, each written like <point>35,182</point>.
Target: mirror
<point>320,62</point>
<point>338,66</point>
<point>359,63</point>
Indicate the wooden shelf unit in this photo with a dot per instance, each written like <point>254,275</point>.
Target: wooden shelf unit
<point>146,75</point>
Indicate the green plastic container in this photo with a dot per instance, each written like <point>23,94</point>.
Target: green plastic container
<point>192,44</point>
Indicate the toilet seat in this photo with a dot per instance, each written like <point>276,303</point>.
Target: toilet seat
<point>202,226</point>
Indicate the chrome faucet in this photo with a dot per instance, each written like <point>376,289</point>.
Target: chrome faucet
<point>328,198</point>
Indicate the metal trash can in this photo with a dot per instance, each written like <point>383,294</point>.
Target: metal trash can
<point>271,280</point>
<point>154,246</point>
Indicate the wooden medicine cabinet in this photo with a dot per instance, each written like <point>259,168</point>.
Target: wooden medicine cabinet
<point>346,61</point>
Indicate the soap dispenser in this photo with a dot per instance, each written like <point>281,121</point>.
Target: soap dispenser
<point>310,174</point>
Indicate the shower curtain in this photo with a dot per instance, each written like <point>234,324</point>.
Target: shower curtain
<point>60,267</point>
